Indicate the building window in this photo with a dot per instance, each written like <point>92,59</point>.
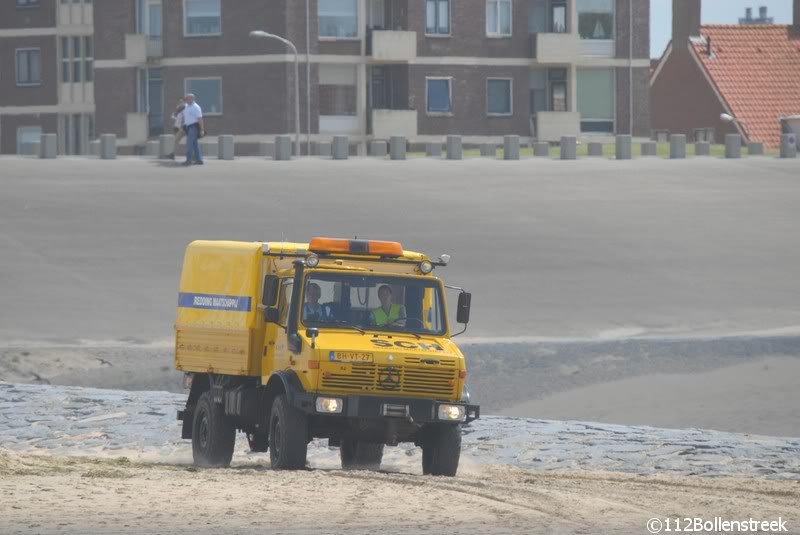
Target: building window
<point>498,18</point>
<point>437,17</point>
<point>557,87</point>
<point>498,96</point>
<point>596,99</point>
<point>202,17</point>
<point>29,66</point>
<point>27,3</point>
<point>337,90</point>
<point>88,59</point>
<point>65,60</point>
<point>207,93</point>
<point>76,59</point>
<point>596,19</point>
<point>27,137</point>
<point>438,95</point>
<point>338,18</point>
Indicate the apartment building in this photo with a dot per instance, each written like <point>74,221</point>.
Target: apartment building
<point>47,80</point>
<point>375,68</point>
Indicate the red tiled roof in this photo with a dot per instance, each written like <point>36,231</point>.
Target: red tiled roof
<point>756,69</point>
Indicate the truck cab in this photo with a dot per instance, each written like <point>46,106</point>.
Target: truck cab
<point>349,341</point>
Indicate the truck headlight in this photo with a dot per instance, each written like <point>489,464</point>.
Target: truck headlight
<point>452,413</point>
<point>329,405</point>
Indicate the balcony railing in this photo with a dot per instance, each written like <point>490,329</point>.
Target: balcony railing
<point>392,45</point>
<point>555,47</point>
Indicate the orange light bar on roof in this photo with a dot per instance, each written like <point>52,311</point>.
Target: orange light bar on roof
<point>356,247</point>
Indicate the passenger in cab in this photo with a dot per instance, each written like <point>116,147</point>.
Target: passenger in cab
<point>388,313</point>
<point>312,309</point>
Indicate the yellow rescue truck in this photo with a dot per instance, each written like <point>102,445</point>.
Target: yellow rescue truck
<point>341,339</point>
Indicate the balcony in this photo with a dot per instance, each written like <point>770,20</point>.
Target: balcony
<point>555,47</point>
<point>140,47</point>
<point>551,125</point>
<point>388,123</point>
<point>391,45</point>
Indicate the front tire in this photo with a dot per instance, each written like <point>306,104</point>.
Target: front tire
<point>441,450</point>
<point>288,436</point>
<point>213,434</point>
<point>359,455</point>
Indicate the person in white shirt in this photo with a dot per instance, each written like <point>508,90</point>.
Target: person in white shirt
<point>193,123</point>
<point>177,125</point>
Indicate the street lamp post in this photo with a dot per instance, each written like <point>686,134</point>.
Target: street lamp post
<point>259,33</point>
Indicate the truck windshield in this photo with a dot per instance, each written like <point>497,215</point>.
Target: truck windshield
<point>372,302</point>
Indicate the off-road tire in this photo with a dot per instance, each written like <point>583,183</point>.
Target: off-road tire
<point>360,455</point>
<point>213,434</point>
<point>288,436</point>
<point>441,450</point>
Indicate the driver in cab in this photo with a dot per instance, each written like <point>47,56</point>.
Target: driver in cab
<point>312,309</point>
<point>388,313</point>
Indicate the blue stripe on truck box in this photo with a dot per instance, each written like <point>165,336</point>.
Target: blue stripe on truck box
<point>237,303</point>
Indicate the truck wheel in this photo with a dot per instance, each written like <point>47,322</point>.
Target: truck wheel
<point>288,436</point>
<point>213,434</point>
<point>359,455</point>
<point>441,450</point>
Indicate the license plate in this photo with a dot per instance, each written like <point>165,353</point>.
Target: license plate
<point>350,356</point>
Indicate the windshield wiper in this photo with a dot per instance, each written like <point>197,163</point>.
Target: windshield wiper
<point>345,324</point>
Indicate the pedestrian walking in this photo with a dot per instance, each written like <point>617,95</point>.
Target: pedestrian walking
<point>193,124</point>
<point>177,126</point>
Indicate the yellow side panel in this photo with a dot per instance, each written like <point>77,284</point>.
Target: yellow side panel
<point>219,285</point>
<point>217,325</point>
<point>214,351</point>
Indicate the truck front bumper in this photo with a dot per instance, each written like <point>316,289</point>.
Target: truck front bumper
<point>415,410</point>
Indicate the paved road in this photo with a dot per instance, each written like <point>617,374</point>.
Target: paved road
<point>595,248</point>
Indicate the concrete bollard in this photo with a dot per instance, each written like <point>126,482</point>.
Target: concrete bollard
<point>788,145</point>
<point>209,149</point>
<point>511,147</point>
<point>569,148</point>
<point>377,148</point>
<point>283,148</point>
<point>595,149</point>
<point>649,148</point>
<point>341,147</point>
<point>225,144</point>
<point>455,150</point>
<point>324,149</point>
<point>755,148</point>
<point>166,145</point>
<point>541,149</point>
<point>108,146</point>
<point>151,149</point>
<point>733,146</point>
<point>677,146</point>
<point>624,147</point>
<point>266,150</point>
<point>702,148</point>
<point>397,148</point>
<point>433,149</point>
<point>48,146</point>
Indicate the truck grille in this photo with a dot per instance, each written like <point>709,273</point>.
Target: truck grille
<point>373,378</point>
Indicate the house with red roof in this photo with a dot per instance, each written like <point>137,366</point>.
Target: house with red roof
<point>748,71</point>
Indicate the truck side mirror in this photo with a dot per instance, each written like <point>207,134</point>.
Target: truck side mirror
<point>271,315</point>
<point>270,294</point>
<point>462,310</point>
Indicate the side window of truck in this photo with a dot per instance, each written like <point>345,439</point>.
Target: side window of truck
<point>285,300</point>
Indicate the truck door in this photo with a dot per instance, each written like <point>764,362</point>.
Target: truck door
<point>280,351</point>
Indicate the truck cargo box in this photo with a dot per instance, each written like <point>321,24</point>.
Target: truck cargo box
<point>218,328</point>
